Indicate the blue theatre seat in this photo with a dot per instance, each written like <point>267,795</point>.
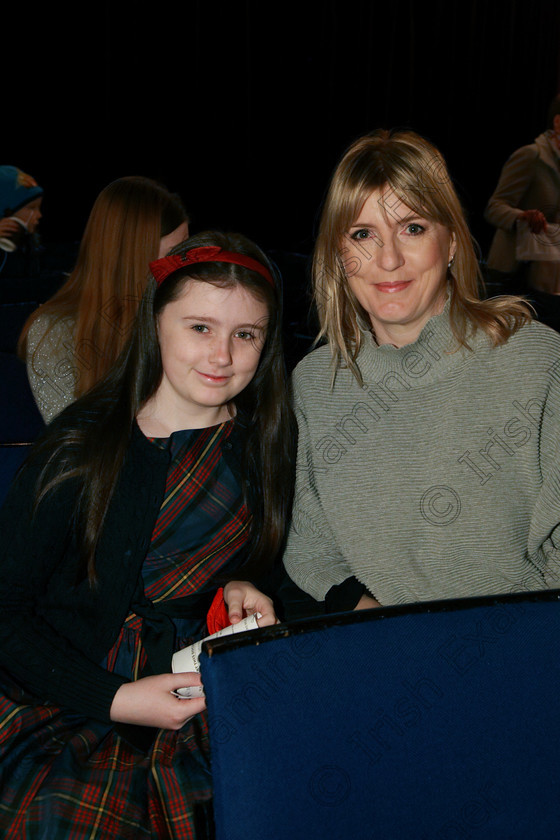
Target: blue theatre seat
<point>13,316</point>
<point>426,722</point>
<point>20,419</point>
<point>12,456</point>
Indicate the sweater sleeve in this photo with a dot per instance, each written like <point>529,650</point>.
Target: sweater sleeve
<point>312,557</point>
<point>544,531</point>
<point>32,548</point>
<point>51,368</point>
<point>503,209</point>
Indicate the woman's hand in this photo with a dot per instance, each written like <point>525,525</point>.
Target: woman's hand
<point>535,219</point>
<point>366,602</point>
<point>149,701</point>
<point>243,599</point>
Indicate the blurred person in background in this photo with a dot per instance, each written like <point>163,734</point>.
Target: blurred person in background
<point>71,341</point>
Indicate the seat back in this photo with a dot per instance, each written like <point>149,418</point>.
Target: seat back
<point>13,316</point>
<point>437,720</point>
<point>20,419</point>
<point>12,456</point>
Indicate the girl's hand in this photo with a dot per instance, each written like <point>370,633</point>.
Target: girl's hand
<point>8,226</point>
<point>149,701</point>
<point>243,599</point>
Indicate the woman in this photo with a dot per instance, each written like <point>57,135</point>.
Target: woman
<point>528,191</point>
<point>172,474</point>
<point>71,341</point>
<point>428,424</point>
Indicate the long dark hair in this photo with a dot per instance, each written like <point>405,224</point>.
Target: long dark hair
<point>90,438</point>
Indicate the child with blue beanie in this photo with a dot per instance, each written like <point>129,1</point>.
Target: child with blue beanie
<point>20,212</point>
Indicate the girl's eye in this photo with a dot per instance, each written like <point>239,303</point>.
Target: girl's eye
<point>363,233</point>
<point>246,336</point>
<point>199,328</point>
<point>414,229</point>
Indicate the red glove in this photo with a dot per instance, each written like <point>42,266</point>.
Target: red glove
<point>217,617</point>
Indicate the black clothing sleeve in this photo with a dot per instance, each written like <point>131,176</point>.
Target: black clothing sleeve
<point>344,596</point>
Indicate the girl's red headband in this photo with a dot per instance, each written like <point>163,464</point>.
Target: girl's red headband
<point>162,268</point>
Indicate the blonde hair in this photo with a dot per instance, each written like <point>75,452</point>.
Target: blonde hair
<point>103,292</point>
<point>408,169</point>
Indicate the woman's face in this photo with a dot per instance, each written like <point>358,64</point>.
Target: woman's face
<point>211,340</point>
<point>166,243</point>
<point>396,264</point>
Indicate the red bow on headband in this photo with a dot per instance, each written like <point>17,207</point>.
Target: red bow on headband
<point>162,268</point>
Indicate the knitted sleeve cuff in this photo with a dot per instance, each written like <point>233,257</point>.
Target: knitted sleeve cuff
<point>344,596</point>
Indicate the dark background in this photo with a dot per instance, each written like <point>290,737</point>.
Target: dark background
<point>244,108</point>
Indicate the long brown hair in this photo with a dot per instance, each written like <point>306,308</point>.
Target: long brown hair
<point>90,438</point>
<point>414,172</point>
<point>103,292</point>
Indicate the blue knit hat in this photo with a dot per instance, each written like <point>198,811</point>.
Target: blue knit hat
<point>16,190</point>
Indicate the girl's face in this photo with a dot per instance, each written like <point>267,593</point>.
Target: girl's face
<point>210,340</point>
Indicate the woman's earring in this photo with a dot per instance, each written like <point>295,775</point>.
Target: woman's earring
<point>451,261</point>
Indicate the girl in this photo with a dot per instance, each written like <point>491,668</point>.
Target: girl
<point>174,469</point>
<point>73,339</point>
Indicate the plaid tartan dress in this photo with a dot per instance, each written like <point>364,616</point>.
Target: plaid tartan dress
<point>67,777</point>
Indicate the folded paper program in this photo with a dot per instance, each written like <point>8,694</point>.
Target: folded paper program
<point>187,659</point>
<point>537,246</point>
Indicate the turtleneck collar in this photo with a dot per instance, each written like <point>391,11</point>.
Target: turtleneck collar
<point>431,356</point>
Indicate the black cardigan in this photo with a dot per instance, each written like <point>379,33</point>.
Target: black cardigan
<point>53,629</point>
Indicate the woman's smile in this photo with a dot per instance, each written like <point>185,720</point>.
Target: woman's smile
<point>391,288</point>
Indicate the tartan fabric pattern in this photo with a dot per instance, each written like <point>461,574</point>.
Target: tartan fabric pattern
<point>203,522</point>
<point>66,777</point>
<point>63,777</point>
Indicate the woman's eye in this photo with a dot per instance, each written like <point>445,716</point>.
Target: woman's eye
<point>363,233</point>
<point>246,336</point>
<point>414,229</point>
<point>199,328</point>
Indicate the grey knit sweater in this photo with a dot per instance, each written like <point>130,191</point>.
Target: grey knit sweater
<point>440,478</point>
